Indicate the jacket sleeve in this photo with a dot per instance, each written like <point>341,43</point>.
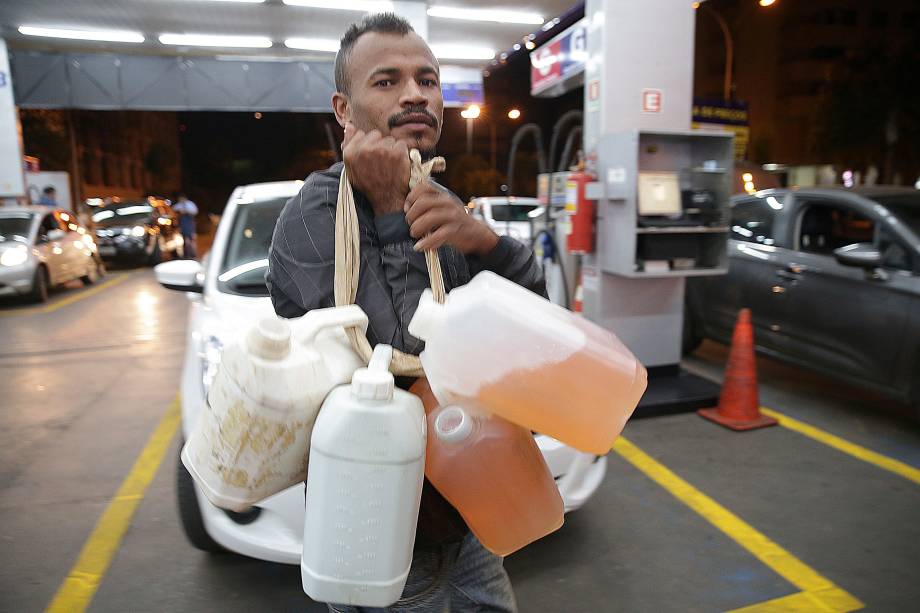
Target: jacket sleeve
<point>301,260</point>
<point>514,261</point>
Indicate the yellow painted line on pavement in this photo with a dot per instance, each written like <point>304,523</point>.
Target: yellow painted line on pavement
<point>824,600</point>
<point>818,592</point>
<point>857,451</point>
<point>78,589</point>
<point>54,306</point>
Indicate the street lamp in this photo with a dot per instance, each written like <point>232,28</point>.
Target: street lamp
<point>729,44</point>
<point>514,114</point>
<point>470,113</point>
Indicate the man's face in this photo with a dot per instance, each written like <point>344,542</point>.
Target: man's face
<point>394,87</point>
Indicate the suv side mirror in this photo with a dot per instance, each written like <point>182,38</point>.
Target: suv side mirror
<point>859,255</point>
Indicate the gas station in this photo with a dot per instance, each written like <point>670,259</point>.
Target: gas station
<point>635,191</point>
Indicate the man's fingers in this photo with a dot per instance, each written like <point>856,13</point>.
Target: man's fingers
<point>425,203</point>
<point>429,222</point>
<point>435,239</point>
<point>421,190</point>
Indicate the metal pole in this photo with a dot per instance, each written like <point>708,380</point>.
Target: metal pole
<point>469,135</point>
<point>729,51</point>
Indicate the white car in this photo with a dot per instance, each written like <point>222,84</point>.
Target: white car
<point>517,217</point>
<point>227,293</point>
<point>41,248</point>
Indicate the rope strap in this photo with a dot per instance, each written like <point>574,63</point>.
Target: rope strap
<point>348,261</point>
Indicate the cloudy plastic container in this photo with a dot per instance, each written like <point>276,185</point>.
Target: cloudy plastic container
<point>253,436</point>
<point>499,347</point>
<point>492,472</point>
<point>364,486</point>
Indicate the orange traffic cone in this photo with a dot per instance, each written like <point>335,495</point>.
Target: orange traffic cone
<point>579,296</point>
<point>739,404</point>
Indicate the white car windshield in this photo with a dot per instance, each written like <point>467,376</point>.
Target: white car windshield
<point>15,228</point>
<point>246,258</point>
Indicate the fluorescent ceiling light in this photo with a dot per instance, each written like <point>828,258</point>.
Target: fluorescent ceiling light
<point>484,15</point>
<point>462,52</point>
<point>213,40</point>
<point>313,44</point>
<point>113,36</point>
<point>367,6</point>
<point>246,1</point>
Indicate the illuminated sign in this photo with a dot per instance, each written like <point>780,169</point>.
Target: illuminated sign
<point>559,60</point>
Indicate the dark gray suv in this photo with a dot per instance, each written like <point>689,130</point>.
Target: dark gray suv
<point>832,278</point>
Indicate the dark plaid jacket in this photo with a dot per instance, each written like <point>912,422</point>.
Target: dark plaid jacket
<point>393,276</point>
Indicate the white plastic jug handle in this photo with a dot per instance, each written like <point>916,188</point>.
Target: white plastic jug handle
<point>311,324</point>
<point>380,360</point>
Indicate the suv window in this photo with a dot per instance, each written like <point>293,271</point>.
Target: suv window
<point>752,220</point>
<point>826,226</point>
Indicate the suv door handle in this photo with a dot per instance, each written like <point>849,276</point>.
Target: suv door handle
<point>788,274</point>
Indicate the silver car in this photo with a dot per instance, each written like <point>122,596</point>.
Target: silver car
<point>832,278</point>
<point>41,248</point>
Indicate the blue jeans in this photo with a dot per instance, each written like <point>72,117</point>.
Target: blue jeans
<point>458,578</point>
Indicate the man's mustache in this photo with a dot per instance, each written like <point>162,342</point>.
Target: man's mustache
<point>398,118</point>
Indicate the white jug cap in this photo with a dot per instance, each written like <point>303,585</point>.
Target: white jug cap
<point>375,382</point>
<point>429,316</point>
<point>270,339</point>
<point>453,424</point>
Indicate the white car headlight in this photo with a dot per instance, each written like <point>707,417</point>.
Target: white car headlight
<point>14,256</point>
<point>138,231</point>
<point>209,354</point>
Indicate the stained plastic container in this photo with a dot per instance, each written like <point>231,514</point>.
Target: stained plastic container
<point>364,486</point>
<point>492,472</point>
<point>501,348</point>
<point>253,436</point>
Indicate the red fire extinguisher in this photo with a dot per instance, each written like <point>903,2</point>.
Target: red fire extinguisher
<point>580,210</point>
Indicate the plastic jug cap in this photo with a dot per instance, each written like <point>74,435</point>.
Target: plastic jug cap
<point>375,382</point>
<point>270,339</point>
<point>453,425</point>
<point>429,316</point>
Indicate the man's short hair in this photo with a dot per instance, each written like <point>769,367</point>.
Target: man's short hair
<point>384,23</point>
<point>49,190</point>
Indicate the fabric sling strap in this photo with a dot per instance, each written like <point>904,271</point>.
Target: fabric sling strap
<point>348,262</point>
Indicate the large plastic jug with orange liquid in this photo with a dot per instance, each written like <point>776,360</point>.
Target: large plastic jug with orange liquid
<point>499,347</point>
<point>492,472</point>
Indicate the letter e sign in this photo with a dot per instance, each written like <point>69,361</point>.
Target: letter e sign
<point>651,100</point>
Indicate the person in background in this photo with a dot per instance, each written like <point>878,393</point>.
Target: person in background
<point>187,211</point>
<point>48,197</point>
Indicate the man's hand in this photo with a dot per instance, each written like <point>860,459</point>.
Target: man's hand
<point>438,218</point>
<point>378,167</point>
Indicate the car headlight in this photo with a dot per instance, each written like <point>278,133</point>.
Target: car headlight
<point>138,231</point>
<point>209,354</point>
<point>14,256</point>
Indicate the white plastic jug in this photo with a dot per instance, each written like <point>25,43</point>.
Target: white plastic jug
<point>501,348</point>
<point>253,436</point>
<point>367,462</point>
